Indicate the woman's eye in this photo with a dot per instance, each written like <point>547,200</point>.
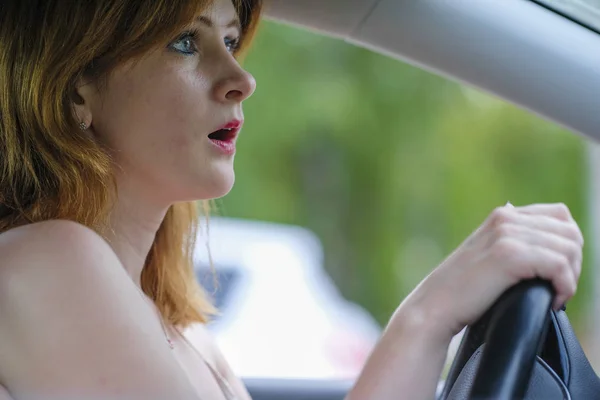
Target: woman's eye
<point>232,44</point>
<point>186,44</point>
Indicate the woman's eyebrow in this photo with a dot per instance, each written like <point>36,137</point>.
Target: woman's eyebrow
<point>234,23</point>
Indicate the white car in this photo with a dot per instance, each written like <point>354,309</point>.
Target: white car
<point>281,315</point>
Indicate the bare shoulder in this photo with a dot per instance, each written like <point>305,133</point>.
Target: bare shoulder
<point>43,260</point>
<point>58,227</point>
<point>50,240</point>
<point>72,323</point>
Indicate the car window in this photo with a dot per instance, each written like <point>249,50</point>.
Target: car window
<point>586,12</point>
<point>219,283</point>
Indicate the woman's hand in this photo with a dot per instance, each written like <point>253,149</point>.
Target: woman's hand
<point>513,244</point>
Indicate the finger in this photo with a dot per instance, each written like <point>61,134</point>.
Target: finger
<point>540,222</point>
<point>551,266</point>
<point>544,238</point>
<point>561,299</point>
<point>556,210</point>
<point>559,211</point>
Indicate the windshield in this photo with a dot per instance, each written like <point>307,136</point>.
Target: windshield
<point>587,12</point>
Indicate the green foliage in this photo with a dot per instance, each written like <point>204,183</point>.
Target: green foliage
<point>390,165</point>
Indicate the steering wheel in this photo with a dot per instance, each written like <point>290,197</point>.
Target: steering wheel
<point>513,331</point>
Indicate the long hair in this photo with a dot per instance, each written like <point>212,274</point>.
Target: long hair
<point>49,169</point>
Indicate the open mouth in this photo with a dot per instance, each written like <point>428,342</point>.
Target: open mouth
<point>223,135</point>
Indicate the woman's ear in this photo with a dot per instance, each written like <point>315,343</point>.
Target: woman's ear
<point>82,98</point>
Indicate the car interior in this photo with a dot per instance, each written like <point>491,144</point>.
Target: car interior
<point>540,55</point>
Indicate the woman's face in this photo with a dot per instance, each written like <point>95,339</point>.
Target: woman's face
<point>156,116</point>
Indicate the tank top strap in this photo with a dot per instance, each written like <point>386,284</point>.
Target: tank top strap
<point>221,381</point>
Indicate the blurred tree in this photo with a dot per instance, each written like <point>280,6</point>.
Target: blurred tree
<point>390,165</point>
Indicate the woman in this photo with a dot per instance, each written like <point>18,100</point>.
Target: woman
<point>115,116</point>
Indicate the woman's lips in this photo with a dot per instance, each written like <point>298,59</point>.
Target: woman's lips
<point>233,124</point>
<point>226,146</point>
<point>224,138</point>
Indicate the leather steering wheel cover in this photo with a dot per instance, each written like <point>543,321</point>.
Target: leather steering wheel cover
<point>515,328</point>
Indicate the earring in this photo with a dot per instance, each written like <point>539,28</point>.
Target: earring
<point>83,126</point>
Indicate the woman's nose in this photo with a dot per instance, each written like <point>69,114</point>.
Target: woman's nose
<point>235,86</point>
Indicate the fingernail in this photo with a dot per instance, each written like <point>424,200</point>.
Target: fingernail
<point>509,204</point>
<point>558,305</point>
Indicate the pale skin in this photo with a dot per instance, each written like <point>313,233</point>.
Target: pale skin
<point>72,323</point>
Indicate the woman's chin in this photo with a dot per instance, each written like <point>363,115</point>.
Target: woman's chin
<point>217,194</point>
<point>216,187</point>
<point>200,185</point>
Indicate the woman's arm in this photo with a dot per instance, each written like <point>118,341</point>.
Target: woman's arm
<point>73,326</point>
<point>406,363</point>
